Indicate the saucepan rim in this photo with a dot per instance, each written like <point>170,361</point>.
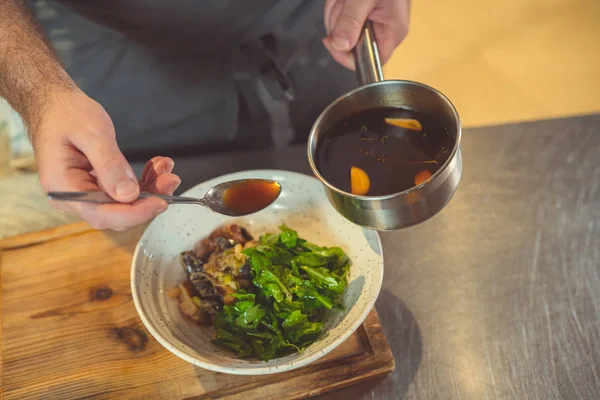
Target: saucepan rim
<point>388,82</point>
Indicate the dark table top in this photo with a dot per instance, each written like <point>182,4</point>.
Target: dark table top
<point>498,296</point>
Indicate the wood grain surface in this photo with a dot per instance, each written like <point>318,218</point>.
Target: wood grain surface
<point>70,330</point>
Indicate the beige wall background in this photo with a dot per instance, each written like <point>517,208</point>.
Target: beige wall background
<point>505,60</point>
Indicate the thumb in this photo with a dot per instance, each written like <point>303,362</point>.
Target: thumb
<point>348,26</point>
<point>113,171</point>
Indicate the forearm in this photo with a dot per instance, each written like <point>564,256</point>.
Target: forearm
<point>30,73</point>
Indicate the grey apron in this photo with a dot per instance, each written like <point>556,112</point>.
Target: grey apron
<point>183,77</point>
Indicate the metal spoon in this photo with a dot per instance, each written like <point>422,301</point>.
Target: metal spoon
<point>233,198</point>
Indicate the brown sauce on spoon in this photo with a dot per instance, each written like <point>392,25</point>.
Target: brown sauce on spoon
<point>251,196</point>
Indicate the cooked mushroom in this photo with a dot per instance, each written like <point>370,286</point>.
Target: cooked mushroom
<point>245,271</point>
<point>191,262</point>
<point>223,243</point>
<point>202,284</point>
<point>193,307</point>
<point>245,235</point>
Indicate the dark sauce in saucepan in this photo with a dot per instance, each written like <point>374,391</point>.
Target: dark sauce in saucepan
<point>393,158</point>
<point>251,196</point>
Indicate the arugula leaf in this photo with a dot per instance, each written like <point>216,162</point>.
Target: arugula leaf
<point>250,318</point>
<point>242,306</point>
<point>263,335</point>
<point>305,328</point>
<point>292,306</point>
<point>308,293</point>
<point>264,350</point>
<point>242,349</point>
<point>310,246</point>
<point>269,239</point>
<point>342,272</point>
<point>284,255</point>
<point>294,319</point>
<point>310,259</point>
<point>258,261</point>
<point>273,290</point>
<point>322,278</point>
<point>243,296</point>
<point>288,237</point>
<point>224,334</point>
<point>268,251</point>
<point>270,321</point>
<point>232,342</point>
<point>267,277</point>
<point>335,253</point>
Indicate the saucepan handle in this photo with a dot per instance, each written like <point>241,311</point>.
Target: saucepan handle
<point>366,56</point>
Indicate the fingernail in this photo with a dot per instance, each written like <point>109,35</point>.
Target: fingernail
<point>126,188</point>
<point>165,167</point>
<point>175,185</point>
<point>341,43</point>
<point>169,165</point>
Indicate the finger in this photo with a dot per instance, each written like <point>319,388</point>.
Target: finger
<point>349,24</point>
<point>344,58</point>
<point>165,184</point>
<point>385,43</point>
<point>391,28</point>
<point>157,167</point>
<point>107,216</point>
<point>329,6</point>
<point>336,10</point>
<point>113,170</point>
<point>69,179</point>
<point>120,217</point>
<point>147,167</point>
<point>95,175</point>
<point>62,168</point>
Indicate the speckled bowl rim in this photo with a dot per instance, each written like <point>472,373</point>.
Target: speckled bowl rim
<point>255,370</point>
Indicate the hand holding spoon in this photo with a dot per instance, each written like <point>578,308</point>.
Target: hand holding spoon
<point>234,198</point>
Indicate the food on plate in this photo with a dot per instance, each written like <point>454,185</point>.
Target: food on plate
<point>382,151</point>
<point>265,298</point>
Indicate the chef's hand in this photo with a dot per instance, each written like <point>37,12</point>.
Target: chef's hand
<point>76,150</point>
<point>344,20</point>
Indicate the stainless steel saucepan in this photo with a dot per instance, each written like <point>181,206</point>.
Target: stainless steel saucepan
<point>412,206</point>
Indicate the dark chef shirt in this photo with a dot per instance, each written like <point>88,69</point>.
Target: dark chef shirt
<point>182,74</point>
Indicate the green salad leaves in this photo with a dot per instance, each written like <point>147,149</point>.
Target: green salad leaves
<point>294,283</point>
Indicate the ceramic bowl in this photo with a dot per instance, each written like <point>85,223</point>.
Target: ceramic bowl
<point>302,206</point>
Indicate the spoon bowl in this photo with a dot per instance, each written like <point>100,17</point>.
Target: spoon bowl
<point>233,198</point>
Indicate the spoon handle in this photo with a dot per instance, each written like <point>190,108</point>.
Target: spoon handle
<point>103,198</point>
<point>173,199</point>
<point>86,197</point>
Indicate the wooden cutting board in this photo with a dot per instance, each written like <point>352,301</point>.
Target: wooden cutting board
<point>70,330</point>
